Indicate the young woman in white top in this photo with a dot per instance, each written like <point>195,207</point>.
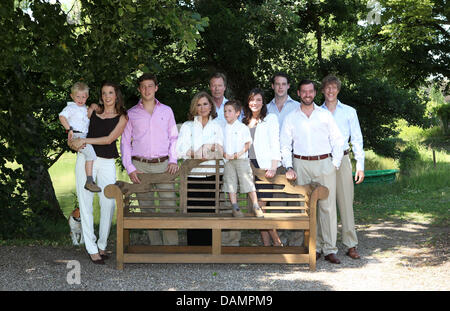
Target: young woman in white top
<point>264,153</point>
<point>201,137</point>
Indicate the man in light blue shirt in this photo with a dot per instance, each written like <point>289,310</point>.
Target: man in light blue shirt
<point>347,121</point>
<point>282,104</point>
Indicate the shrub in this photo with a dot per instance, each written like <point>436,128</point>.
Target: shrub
<point>443,112</point>
<point>408,159</point>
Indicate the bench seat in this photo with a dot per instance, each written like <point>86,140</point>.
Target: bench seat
<point>298,213</point>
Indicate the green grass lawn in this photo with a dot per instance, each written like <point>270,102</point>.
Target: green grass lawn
<point>421,195</point>
<point>63,178</point>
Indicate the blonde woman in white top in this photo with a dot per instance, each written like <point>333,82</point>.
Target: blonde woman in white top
<point>201,137</point>
<point>265,152</point>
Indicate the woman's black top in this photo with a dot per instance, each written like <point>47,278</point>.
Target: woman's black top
<point>103,127</point>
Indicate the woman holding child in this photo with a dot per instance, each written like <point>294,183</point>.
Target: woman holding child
<point>106,125</point>
<point>201,137</point>
<point>264,153</point>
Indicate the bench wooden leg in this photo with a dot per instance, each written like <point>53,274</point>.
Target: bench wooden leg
<point>126,239</point>
<point>306,238</point>
<point>119,245</point>
<point>216,241</point>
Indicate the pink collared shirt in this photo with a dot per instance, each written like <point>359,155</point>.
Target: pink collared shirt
<point>149,135</point>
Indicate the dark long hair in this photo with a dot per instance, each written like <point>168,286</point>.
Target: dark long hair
<point>247,112</point>
<point>119,106</point>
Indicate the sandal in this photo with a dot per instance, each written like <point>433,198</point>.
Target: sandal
<point>97,261</point>
<point>104,255</point>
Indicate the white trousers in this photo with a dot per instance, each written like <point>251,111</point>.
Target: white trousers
<point>104,172</point>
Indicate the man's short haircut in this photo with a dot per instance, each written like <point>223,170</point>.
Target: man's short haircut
<point>79,87</point>
<point>218,75</point>
<point>281,74</point>
<point>329,80</point>
<point>305,82</point>
<point>236,104</point>
<point>147,76</point>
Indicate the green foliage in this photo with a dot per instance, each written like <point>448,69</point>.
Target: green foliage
<point>443,112</point>
<point>184,42</point>
<point>415,40</point>
<point>42,56</point>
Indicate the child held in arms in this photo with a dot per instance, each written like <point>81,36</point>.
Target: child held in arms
<point>75,119</point>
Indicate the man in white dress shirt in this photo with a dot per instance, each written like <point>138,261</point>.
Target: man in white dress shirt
<point>347,120</point>
<point>312,136</point>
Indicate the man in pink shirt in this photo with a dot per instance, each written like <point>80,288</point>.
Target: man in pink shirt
<point>148,146</point>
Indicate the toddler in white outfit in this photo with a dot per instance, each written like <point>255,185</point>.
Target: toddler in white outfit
<point>75,119</point>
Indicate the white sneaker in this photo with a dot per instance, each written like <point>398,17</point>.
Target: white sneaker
<point>237,213</point>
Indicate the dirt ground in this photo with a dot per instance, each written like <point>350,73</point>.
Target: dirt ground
<point>396,256</point>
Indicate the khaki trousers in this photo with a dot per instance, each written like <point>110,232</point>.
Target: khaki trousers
<point>323,172</point>
<point>344,197</point>
<point>158,237</point>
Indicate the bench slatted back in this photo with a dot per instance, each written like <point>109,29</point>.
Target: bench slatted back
<point>140,199</point>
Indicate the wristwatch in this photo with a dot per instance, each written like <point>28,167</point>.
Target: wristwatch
<point>70,129</point>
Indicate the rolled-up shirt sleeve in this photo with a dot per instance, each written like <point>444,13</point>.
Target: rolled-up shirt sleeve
<point>125,148</point>
<point>356,139</point>
<point>173,137</point>
<point>286,143</point>
<point>183,144</point>
<point>274,137</point>
<point>336,142</point>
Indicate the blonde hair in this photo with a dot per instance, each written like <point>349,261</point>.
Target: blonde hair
<point>79,87</point>
<point>330,79</point>
<point>193,108</point>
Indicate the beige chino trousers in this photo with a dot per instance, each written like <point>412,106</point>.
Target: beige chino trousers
<point>323,172</point>
<point>344,197</point>
<point>158,237</point>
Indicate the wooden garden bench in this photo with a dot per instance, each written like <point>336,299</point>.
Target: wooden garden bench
<point>130,215</point>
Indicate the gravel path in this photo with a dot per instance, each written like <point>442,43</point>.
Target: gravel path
<point>395,256</point>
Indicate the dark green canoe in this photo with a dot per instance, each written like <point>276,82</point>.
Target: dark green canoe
<point>379,176</point>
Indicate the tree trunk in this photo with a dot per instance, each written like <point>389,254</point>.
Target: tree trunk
<point>319,40</point>
<point>41,194</point>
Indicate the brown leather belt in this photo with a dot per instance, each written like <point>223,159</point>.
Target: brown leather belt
<point>312,158</point>
<point>346,151</point>
<point>155,160</point>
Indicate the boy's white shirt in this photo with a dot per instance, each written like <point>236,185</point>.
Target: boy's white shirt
<point>76,116</point>
<point>236,135</point>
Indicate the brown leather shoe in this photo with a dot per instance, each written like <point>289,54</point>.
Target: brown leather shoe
<point>352,253</point>
<point>332,258</point>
